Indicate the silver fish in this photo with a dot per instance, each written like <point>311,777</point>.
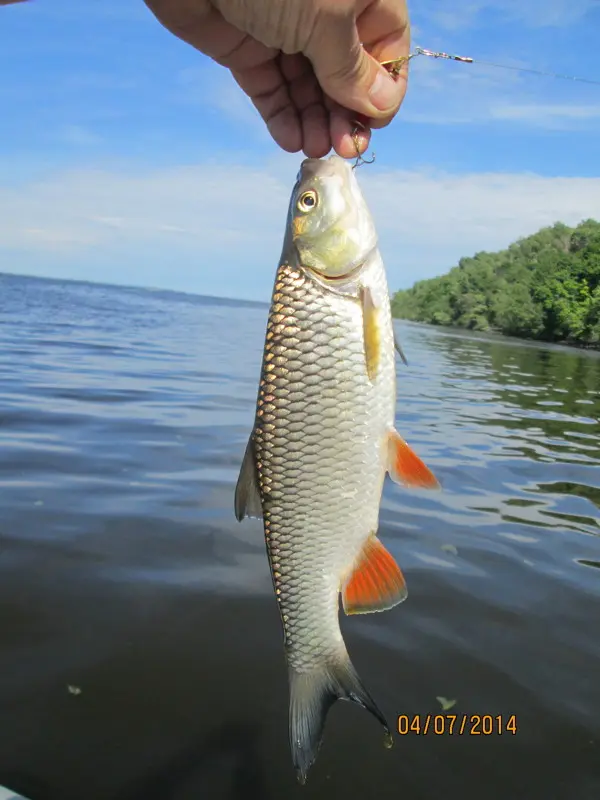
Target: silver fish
<point>322,442</point>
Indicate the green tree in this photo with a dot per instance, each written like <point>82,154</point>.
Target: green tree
<point>545,286</point>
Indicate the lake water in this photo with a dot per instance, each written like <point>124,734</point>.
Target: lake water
<point>140,644</point>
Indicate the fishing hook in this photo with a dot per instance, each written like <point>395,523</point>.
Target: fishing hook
<point>393,67</point>
<point>358,126</point>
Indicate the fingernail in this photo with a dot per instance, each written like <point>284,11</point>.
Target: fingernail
<point>384,91</point>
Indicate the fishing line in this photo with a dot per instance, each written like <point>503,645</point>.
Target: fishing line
<point>394,67</point>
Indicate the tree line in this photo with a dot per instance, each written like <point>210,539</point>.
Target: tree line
<point>545,286</point>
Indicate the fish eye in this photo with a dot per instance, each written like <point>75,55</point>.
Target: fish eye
<point>307,201</point>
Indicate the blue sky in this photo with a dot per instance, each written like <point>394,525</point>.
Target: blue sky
<point>127,157</point>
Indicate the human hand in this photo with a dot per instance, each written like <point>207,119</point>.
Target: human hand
<point>302,63</point>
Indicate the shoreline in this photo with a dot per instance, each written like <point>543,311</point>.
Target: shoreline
<point>593,347</point>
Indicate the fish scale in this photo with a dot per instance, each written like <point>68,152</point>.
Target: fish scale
<point>317,485</point>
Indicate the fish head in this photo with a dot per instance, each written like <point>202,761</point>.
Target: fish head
<point>329,224</point>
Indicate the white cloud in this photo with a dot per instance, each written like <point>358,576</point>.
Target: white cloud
<point>196,201</point>
<point>443,216</point>
<point>546,115</point>
<point>219,229</point>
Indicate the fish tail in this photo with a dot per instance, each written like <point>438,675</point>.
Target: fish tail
<point>311,696</point>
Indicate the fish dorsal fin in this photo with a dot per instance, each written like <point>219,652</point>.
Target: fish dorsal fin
<point>399,349</point>
<point>376,583</point>
<point>371,332</point>
<point>405,466</point>
<point>247,495</point>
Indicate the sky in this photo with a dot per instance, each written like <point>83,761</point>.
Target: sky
<point>128,157</point>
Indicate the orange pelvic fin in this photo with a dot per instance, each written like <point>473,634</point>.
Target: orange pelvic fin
<point>376,584</point>
<point>405,466</point>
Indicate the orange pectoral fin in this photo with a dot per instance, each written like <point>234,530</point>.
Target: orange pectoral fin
<point>405,466</point>
<point>376,584</point>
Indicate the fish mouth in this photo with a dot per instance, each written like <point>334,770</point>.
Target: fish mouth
<point>318,167</point>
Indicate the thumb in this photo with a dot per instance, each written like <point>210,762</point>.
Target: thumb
<point>348,74</point>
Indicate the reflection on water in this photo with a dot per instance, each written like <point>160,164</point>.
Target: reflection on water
<point>140,646</point>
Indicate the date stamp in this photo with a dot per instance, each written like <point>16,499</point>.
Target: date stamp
<point>453,724</point>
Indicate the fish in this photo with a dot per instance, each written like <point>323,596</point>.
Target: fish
<point>322,442</point>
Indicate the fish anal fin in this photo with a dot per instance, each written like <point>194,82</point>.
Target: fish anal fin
<point>405,466</point>
<point>376,583</point>
<point>371,332</point>
<point>247,494</point>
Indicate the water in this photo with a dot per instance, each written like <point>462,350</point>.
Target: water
<point>140,646</point>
